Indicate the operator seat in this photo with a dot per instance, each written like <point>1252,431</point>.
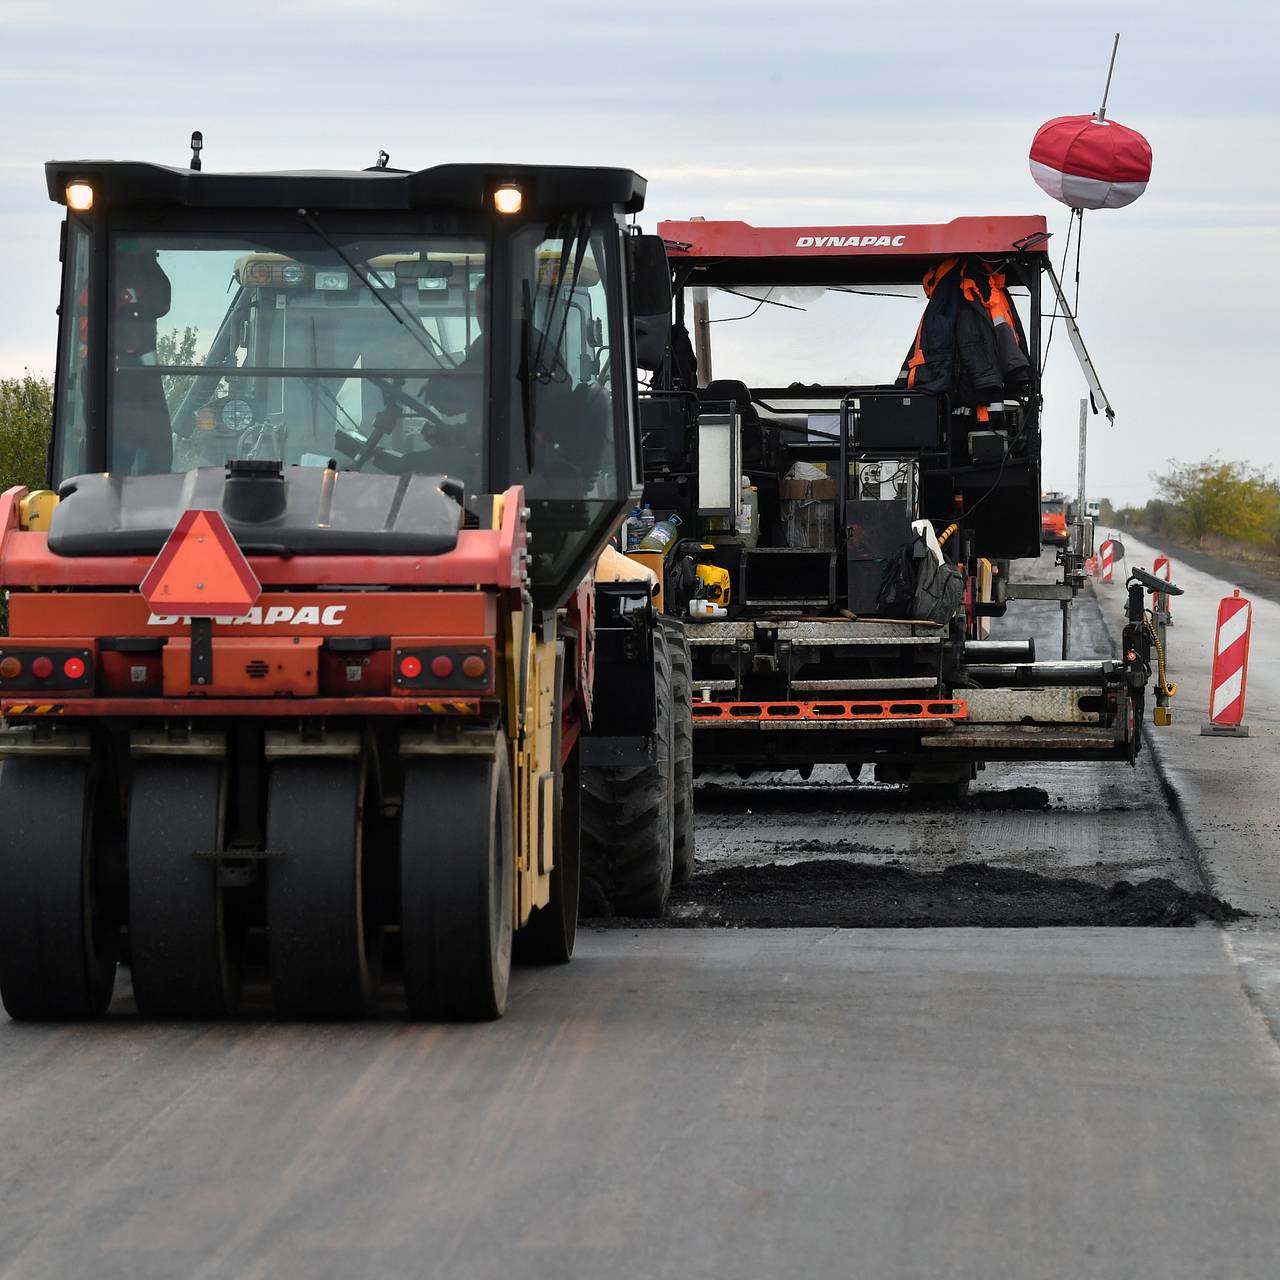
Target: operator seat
<point>756,453</point>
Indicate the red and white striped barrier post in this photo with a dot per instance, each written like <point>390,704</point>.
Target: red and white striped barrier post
<point>1163,603</point>
<point>1107,552</point>
<point>1230,667</point>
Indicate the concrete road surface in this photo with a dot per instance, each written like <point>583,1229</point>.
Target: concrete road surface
<point>963,1103</point>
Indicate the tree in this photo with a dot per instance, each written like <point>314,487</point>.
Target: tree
<point>176,347</point>
<point>1159,516</point>
<point>26,419</point>
<point>1232,499</point>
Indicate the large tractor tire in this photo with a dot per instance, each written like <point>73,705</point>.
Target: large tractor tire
<point>325,942</point>
<point>549,936</point>
<point>59,939</point>
<point>682,748</point>
<point>457,881</point>
<point>628,814</point>
<point>185,947</point>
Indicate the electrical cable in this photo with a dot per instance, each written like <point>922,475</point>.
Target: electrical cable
<point>1168,689</point>
<point>759,304</point>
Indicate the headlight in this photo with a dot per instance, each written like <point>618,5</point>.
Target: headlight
<point>332,280</point>
<point>236,415</point>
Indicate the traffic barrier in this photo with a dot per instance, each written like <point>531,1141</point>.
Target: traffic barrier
<point>1163,603</point>
<point>1108,554</point>
<point>1092,565</point>
<point>1230,668</point>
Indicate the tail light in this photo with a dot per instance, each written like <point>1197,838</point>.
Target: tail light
<point>41,667</point>
<point>443,668</point>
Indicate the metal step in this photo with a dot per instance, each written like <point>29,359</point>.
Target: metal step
<point>1028,738</point>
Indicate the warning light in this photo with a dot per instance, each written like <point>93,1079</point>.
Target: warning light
<point>10,668</point>
<point>410,667</point>
<point>442,666</point>
<point>473,667</point>
<point>73,668</point>
<point>200,571</point>
<point>42,668</point>
<point>79,196</point>
<point>508,198</point>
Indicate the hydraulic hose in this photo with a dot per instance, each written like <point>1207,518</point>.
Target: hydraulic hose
<point>1167,689</point>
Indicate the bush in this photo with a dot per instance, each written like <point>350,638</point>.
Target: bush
<point>26,419</point>
<point>1231,499</point>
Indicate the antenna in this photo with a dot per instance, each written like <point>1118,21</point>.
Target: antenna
<point>383,160</point>
<point>197,146</point>
<point>1106,93</point>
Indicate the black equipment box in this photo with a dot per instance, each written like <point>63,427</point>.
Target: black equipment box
<point>898,423</point>
<point>875,532</point>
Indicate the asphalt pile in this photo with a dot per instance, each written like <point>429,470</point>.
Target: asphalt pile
<point>838,894</point>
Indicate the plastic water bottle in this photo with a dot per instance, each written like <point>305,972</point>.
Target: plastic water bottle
<point>749,514</point>
<point>662,537</point>
<point>631,530</point>
<point>644,525</point>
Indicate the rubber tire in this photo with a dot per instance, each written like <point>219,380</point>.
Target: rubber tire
<point>457,886</point>
<point>628,815</point>
<point>551,932</point>
<point>179,953</point>
<point>684,848</point>
<point>58,947</point>
<point>324,954</point>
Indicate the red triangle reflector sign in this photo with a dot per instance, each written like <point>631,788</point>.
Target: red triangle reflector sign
<point>201,571</point>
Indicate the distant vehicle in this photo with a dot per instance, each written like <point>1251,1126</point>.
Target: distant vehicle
<point>1093,509</point>
<point>1053,520</point>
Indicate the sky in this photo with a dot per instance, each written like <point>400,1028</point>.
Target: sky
<point>813,114</point>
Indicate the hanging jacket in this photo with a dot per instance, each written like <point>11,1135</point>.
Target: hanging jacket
<point>987,288</point>
<point>969,343</point>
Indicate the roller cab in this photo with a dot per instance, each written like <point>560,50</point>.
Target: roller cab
<point>299,639</point>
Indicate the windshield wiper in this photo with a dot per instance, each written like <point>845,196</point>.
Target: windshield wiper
<point>532,370</point>
<point>420,335</point>
<point>583,236</point>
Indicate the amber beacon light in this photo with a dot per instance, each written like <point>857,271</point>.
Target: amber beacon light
<point>508,198</point>
<point>79,196</point>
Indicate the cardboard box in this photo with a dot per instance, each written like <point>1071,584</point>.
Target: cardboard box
<point>822,489</point>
